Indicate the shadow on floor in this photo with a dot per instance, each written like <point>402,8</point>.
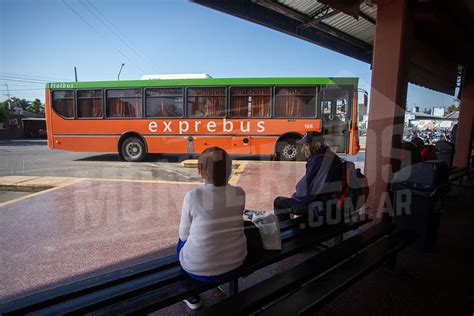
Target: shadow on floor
<point>171,157</point>
<point>24,142</point>
<point>440,282</point>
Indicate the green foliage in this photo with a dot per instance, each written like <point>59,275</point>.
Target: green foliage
<point>16,102</point>
<point>4,111</point>
<point>36,107</point>
<point>452,108</point>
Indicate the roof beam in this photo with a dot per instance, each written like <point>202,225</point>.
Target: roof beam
<point>284,10</point>
<point>277,7</point>
<point>367,17</point>
<point>349,7</point>
<point>320,15</point>
<point>284,19</point>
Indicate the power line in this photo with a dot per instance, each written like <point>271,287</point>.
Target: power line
<point>8,77</point>
<point>23,89</point>
<point>19,84</point>
<point>113,30</point>
<point>106,19</point>
<point>27,81</point>
<point>102,36</point>
<point>23,76</point>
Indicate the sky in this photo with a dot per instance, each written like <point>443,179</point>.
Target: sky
<point>43,40</point>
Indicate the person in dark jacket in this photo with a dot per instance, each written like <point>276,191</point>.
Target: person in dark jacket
<point>454,131</point>
<point>321,181</point>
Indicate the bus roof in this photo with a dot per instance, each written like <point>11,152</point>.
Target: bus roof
<point>204,82</point>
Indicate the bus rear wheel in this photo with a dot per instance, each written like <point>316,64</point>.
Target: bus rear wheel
<point>133,149</point>
<point>288,150</point>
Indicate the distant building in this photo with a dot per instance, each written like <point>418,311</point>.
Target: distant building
<point>423,120</point>
<point>439,111</point>
<point>362,111</point>
<point>23,124</point>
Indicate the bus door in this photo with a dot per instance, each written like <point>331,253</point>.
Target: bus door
<point>335,113</point>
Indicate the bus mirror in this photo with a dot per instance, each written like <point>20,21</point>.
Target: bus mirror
<point>366,99</point>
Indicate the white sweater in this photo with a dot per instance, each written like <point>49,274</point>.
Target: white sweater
<point>213,228</point>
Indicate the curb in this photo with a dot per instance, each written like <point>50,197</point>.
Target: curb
<point>193,163</point>
<point>24,188</point>
<point>32,184</point>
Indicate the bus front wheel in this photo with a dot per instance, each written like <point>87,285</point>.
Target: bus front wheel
<point>288,150</point>
<point>133,149</point>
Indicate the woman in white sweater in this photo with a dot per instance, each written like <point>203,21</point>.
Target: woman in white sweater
<point>212,243</point>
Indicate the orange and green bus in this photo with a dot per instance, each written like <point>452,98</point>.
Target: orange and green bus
<point>251,116</point>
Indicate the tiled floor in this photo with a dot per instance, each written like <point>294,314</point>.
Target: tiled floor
<point>95,226</point>
<point>440,282</point>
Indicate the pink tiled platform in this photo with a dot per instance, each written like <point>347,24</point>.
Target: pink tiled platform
<point>86,228</point>
<point>96,226</point>
<point>264,181</point>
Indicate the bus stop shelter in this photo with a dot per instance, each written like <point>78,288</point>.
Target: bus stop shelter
<point>429,43</point>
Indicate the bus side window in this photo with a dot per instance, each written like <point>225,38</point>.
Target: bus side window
<point>124,103</point>
<point>164,102</point>
<point>63,103</point>
<point>326,107</point>
<point>341,109</point>
<point>295,101</point>
<point>250,101</point>
<point>206,102</point>
<point>335,103</point>
<point>89,103</point>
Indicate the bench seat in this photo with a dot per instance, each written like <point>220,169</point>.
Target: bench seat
<point>314,282</point>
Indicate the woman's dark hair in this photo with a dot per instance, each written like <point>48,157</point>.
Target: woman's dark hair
<point>215,166</point>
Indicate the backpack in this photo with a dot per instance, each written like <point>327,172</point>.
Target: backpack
<point>355,188</point>
<point>428,152</point>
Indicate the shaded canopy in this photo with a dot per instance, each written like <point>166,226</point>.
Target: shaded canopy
<point>443,37</point>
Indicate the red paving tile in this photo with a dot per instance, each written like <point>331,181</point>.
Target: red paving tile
<point>84,229</point>
<point>264,181</point>
<point>96,226</point>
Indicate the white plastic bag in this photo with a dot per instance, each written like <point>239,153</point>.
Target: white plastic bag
<point>269,229</point>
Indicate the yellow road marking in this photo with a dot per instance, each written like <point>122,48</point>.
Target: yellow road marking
<point>235,178</point>
<point>145,181</point>
<point>65,181</point>
<point>193,163</point>
<point>38,193</point>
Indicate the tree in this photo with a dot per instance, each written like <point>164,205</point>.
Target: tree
<point>4,111</point>
<point>36,106</point>
<point>452,108</point>
<point>17,102</point>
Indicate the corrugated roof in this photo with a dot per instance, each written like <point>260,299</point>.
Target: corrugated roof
<point>369,10</point>
<point>434,66</point>
<point>361,28</point>
<point>307,7</point>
